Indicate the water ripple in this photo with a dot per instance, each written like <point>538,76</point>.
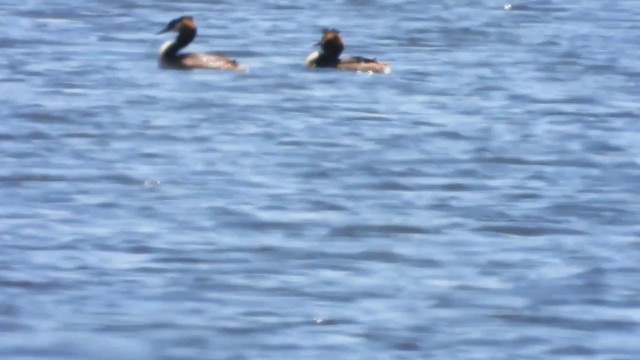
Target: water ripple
<point>488,185</point>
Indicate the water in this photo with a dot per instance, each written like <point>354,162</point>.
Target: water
<point>480,202</point>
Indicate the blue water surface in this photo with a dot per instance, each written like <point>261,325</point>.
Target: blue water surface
<point>479,202</point>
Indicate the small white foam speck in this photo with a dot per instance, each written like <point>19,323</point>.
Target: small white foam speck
<point>507,7</point>
<point>151,184</point>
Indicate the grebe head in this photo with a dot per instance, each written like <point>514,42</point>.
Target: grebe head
<point>331,42</point>
<point>179,24</point>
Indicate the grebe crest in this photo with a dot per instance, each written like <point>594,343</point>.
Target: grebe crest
<point>331,42</point>
<point>186,28</point>
<point>332,46</point>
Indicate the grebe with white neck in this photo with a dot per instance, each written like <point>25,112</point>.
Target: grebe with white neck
<point>186,28</point>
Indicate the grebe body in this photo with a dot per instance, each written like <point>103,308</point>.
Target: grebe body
<point>331,46</point>
<point>170,58</point>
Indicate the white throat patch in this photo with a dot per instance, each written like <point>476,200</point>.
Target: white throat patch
<point>165,46</point>
<point>311,59</point>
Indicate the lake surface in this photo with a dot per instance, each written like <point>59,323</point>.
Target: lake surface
<point>480,202</point>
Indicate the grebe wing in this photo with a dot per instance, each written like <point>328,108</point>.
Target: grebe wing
<point>359,63</point>
<point>210,61</point>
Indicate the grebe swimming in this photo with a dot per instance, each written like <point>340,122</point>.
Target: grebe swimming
<point>185,26</point>
<point>329,57</point>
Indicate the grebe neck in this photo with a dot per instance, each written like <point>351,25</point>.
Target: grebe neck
<point>184,38</point>
<point>324,59</point>
<point>332,50</point>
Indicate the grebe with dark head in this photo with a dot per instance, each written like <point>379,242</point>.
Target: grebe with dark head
<point>331,46</point>
<point>185,26</point>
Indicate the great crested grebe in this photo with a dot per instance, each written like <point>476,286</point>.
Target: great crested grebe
<point>185,26</point>
<point>331,46</point>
